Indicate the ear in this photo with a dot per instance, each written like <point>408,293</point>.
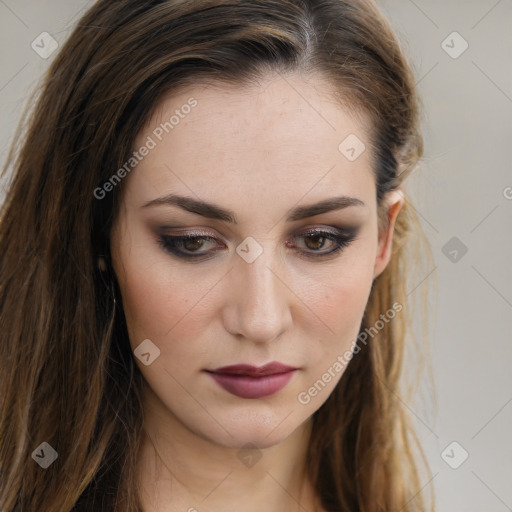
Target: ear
<point>101,264</point>
<point>394,201</point>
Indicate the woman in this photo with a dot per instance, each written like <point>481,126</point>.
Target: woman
<point>202,264</point>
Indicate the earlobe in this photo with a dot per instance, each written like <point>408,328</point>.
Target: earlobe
<point>101,264</point>
<point>394,200</point>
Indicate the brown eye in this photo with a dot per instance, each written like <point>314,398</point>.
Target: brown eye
<point>315,240</point>
<point>186,246</point>
<point>318,241</point>
<point>192,244</point>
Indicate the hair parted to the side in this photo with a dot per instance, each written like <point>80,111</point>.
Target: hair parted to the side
<point>67,371</point>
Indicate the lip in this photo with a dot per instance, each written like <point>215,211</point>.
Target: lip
<point>248,381</point>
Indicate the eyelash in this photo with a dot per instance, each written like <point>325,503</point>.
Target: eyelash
<point>170,243</point>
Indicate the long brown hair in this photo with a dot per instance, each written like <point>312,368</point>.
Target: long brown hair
<point>67,372</point>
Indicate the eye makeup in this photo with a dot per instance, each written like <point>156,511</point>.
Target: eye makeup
<point>191,245</point>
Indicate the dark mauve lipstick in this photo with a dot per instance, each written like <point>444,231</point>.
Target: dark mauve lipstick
<point>248,381</point>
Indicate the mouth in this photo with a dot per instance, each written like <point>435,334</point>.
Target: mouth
<point>247,381</point>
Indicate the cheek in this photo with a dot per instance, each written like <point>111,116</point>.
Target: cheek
<point>345,290</point>
<point>161,303</point>
<point>340,301</point>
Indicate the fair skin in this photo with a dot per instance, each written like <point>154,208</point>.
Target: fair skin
<point>258,151</point>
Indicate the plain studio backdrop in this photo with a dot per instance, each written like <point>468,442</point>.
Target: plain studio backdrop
<point>461,52</point>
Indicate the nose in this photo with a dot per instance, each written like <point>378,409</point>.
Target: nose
<point>259,301</point>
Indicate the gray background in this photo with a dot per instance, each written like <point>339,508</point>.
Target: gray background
<point>462,190</point>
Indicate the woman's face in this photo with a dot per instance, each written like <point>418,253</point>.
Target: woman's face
<point>262,280</point>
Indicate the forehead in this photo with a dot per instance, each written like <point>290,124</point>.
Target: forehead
<point>280,138</point>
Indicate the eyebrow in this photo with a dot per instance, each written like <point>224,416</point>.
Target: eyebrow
<point>214,211</point>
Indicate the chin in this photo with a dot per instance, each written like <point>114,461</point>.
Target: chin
<point>262,429</point>
<point>245,439</point>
